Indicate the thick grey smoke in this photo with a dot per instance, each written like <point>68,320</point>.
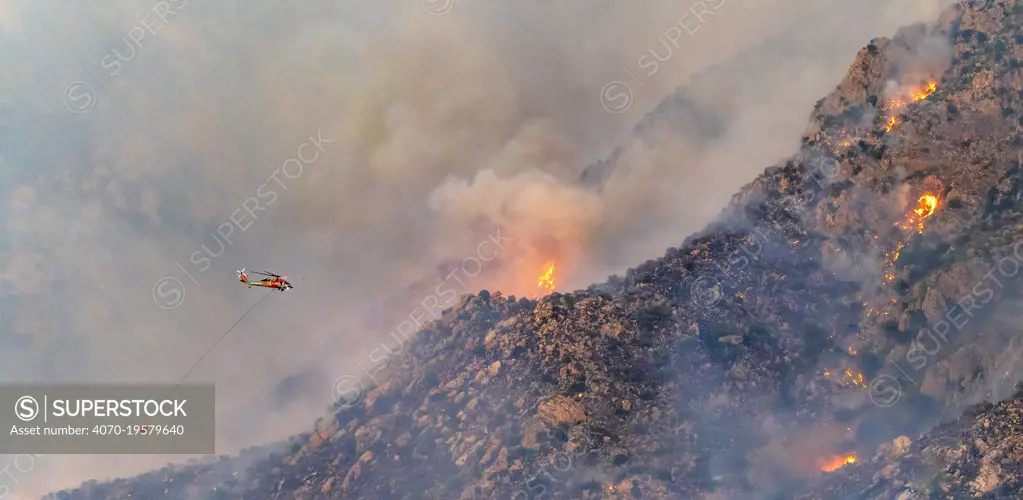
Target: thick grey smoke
<point>430,131</point>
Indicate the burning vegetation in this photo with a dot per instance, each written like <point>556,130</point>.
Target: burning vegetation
<point>836,462</point>
<point>545,283</point>
<point>849,377</point>
<point>926,205</point>
<point>846,138</point>
<point>896,105</point>
<point>854,377</point>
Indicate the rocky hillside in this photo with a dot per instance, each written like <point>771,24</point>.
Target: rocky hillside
<point>979,455</point>
<point>847,301</point>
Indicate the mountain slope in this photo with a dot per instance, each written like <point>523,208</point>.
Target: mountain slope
<point>978,455</point>
<point>794,332</point>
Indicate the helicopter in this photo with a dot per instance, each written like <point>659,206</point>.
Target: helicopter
<point>270,281</point>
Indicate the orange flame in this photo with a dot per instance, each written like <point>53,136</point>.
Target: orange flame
<point>855,378</point>
<point>926,205</point>
<point>546,280</point>
<point>892,107</point>
<point>889,260</point>
<point>845,138</point>
<point>835,463</point>
<point>921,95</point>
<point>897,104</point>
<point>892,122</point>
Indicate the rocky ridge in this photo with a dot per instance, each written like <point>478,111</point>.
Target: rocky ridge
<point>743,360</point>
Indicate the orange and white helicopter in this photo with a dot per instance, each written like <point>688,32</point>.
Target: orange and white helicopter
<point>271,281</point>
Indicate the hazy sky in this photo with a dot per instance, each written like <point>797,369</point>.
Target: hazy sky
<point>130,135</point>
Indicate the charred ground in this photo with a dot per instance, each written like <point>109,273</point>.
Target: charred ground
<point>746,359</point>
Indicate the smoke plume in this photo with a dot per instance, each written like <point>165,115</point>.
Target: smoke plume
<point>424,134</point>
